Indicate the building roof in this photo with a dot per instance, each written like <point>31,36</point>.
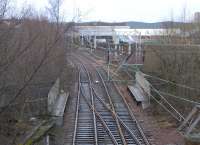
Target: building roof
<point>98,30</point>
<point>118,30</point>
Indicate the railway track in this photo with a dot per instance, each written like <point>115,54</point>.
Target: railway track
<point>102,116</point>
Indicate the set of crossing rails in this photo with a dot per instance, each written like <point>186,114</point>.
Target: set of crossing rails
<point>102,117</point>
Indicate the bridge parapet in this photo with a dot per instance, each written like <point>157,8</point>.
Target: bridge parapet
<point>57,100</point>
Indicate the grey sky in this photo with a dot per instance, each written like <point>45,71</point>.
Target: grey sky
<point>124,10</point>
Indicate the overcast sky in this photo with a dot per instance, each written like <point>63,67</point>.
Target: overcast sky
<point>123,10</point>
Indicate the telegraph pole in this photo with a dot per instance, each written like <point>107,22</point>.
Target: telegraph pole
<point>108,62</point>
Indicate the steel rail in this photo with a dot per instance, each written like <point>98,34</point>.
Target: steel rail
<point>104,125</point>
<point>138,127</point>
<point>133,116</point>
<point>101,119</point>
<point>92,107</point>
<point>113,108</point>
<point>92,102</point>
<point>77,110</point>
<point>120,120</point>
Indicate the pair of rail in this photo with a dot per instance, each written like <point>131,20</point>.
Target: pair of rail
<point>110,108</point>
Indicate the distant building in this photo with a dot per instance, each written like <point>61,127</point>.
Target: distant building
<point>117,34</point>
<point>197,17</point>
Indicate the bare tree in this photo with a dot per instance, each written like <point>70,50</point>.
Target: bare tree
<point>178,61</point>
<point>3,7</point>
<point>32,51</point>
<point>54,9</point>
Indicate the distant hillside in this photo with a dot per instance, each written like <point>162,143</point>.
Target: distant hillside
<point>136,25</point>
<point>142,25</point>
<point>101,24</point>
<point>157,25</point>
